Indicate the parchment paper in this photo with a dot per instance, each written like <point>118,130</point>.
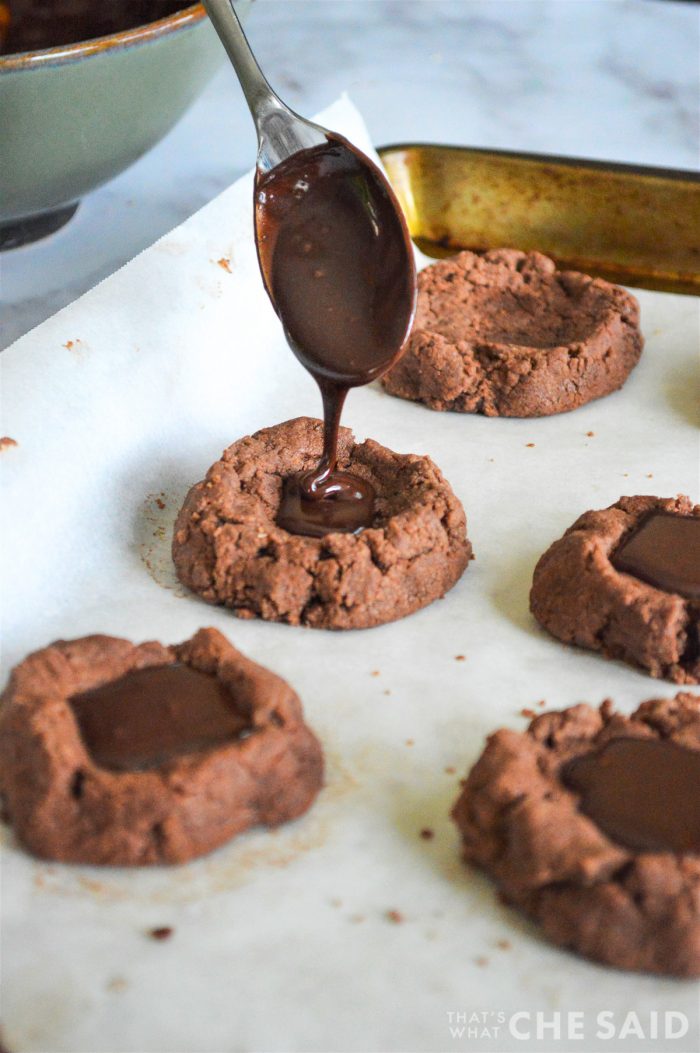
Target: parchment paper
<point>282,940</point>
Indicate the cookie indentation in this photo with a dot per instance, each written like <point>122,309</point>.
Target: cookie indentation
<point>504,333</point>
<point>229,548</point>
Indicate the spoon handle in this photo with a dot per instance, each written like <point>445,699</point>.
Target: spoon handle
<point>259,95</point>
<point>281,132</point>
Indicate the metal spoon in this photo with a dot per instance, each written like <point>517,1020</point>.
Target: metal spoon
<point>281,131</point>
<point>337,262</point>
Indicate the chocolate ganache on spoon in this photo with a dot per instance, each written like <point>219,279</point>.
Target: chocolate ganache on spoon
<point>337,262</point>
<point>338,266</point>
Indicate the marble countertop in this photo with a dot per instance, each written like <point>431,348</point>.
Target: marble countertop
<point>610,79</point>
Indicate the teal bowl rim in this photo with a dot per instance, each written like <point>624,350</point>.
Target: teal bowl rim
<point>126,38</point>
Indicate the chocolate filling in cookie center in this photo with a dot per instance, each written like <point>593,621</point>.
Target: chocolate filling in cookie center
<point>643,793</point>
<point>148,716</point>
<point>664,550</point>
<point>338,265</point>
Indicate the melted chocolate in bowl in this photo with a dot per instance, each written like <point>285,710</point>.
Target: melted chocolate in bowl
<point>338,265</point>
<point>31,25</point>
<point>150,716</point>
<point>643,793</point>
<point>664,551</point>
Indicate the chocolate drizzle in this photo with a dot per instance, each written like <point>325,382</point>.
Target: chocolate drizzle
<point>338,266</point>
<point>643,793</point>
<point>148,716</point>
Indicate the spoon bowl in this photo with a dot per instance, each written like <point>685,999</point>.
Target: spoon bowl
<point>337,262</point>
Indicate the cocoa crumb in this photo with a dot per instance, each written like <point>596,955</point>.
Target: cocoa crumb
<point>427,834</point>
<point>504,945</point>
<point>650,475</point>
<point>161,504</point>
<point>395,915</point>
<point>607,709</point>
<point>410,742</point>
<point>69,345</point>
<point>225,263</point>
<point>590,434</point>
<point>375,672</point>
<point>449,770</point>
<point>117,983</point>
<point>164,932</point>
<point>542,702</point>
<point>527,712</point>
<point>460,658</point>
<point>529,444</point>
<point>386,691</point>
<point>6,443</point>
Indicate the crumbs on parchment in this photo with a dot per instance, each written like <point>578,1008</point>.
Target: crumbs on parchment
<point>163,932</point>
<point>6,443</point>
<point>117,983</point>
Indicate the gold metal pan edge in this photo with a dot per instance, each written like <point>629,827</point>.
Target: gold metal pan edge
<point>629,224</point>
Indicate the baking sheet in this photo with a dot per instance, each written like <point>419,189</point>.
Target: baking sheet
<point>628,224</point>
<point>282,940</point>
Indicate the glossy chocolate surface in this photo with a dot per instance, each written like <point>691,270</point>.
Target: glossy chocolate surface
<point>664,551</point>
<point>148,716</point>
<point>643,793</point>
<point>338,265</point>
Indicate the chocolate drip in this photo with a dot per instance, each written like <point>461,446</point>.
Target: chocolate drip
<point>338,265</point>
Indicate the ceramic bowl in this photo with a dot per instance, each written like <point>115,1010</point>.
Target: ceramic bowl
<point>72,117</point>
